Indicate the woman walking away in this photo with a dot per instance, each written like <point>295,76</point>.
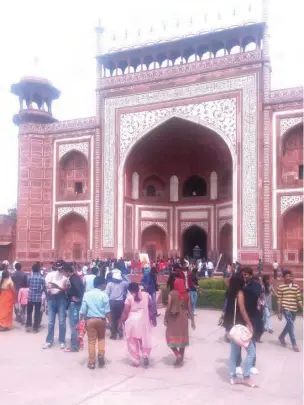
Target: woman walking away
<point>176,320</point>
<point>268,292</point>
<point>7,299</point>
<point>138,316</point>
<point>236,314</point>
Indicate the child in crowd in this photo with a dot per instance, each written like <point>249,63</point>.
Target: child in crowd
<point>22,303</point>
<point>81,327</point>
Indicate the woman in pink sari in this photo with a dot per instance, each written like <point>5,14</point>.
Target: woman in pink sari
<point>138,317</point>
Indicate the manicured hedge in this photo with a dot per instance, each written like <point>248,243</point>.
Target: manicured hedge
<point>211,299</point>
<point>212,284</point>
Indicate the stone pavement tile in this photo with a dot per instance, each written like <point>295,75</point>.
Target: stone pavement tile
<point>63,378</point>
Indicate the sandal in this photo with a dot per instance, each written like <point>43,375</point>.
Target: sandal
<point>235,380</point>
<point>250,384</point>
<point>295,348</point>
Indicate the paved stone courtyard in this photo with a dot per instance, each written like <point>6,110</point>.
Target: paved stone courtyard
<point>32,376</point>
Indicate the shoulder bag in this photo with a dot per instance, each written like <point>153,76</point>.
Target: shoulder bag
<point>240,334</point>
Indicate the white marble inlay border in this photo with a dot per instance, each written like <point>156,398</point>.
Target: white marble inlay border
<point>248,86</point>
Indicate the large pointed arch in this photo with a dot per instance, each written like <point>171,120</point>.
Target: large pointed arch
<point>143,123</point>
<point>132,139</point>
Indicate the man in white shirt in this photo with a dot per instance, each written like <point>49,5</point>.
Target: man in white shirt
<point>56,286</point>
<point>275,270</point>
<point>210,268</point>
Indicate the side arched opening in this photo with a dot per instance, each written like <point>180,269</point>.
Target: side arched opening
<point>72,243</point>
<point>154,242</point>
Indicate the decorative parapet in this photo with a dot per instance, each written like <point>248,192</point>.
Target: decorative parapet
<point>58,127</point>
<point>230,61</point>
<point>286,95</point>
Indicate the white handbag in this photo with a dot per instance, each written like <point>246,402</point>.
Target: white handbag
<point>240,334</point>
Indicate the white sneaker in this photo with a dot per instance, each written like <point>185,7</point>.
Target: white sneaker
<point>62,346</point>
<point>254,371</point>
<point>46,346</point>
<point>239,371</point>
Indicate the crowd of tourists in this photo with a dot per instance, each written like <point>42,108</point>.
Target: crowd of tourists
<point>101,295</point>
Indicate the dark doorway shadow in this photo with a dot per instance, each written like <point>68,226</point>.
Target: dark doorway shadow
<point>192,237</point>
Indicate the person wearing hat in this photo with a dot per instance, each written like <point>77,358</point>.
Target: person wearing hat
<point>56,286</point>
<point>116,290</point>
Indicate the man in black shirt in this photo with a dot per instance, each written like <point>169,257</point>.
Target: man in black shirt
<point>75,293</point>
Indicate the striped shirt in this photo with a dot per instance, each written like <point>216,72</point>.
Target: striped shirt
<point>289,296</point>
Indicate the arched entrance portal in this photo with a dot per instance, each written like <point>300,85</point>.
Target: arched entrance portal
<point>191,154</point>
<point>194,236</point>
<point>293,233</point>
<point>225,243</point>
<point>72,238</point>
<point>154,242</point>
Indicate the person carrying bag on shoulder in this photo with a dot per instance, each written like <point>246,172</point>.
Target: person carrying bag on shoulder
<point>237,322</point>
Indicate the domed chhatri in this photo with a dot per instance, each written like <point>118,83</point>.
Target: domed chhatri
<point>36,95</point>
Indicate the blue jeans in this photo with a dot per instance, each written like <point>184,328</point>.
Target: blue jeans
<point>235,354</point>
<point>56,306</point>
<point>153,297</point>
<point>193,298</point>
<point>289,327</point>
<point>73,311</point>
<point>266,318</point>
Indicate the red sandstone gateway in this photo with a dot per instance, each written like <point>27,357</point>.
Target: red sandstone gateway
<point>189,147</point>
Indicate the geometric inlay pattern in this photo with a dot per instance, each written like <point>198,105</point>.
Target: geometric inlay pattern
<point>289,200</point>
<point>223,222</point>
<point>67,147</point>
<point>81,210</point>
<point>146,224</point>
<point>187,224</point>
<point>287,123</point>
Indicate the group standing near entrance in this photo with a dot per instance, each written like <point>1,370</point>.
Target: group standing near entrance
<point>101,297</point>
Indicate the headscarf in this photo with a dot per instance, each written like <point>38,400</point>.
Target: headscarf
<point>180,287</point>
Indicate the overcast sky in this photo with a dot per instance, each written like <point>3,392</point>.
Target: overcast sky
<point>60,33</point>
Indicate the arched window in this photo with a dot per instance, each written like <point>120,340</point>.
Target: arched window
<point>195,186</point>
<point>135,186</point>
<point>292,156</point>
<point>153,186</point>
<point>73,176</point>
<point>150,191</point>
